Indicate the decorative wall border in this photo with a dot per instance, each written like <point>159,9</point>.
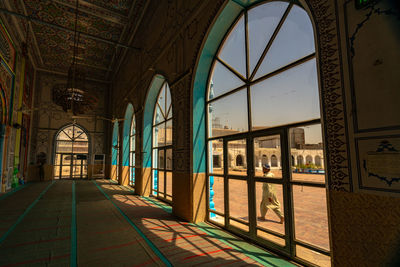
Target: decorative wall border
<point>333,97</point>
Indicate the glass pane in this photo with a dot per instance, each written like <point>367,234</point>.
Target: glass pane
<point>284,49</point>
<point>132,176</point>
<point>64,147</point>
<point>161,159</point>
<point>66,159</point>
<point>216,157</point>
<point>69,132</point>
<point>238,199</point>
<point>57,159</point>
<point>310,215</point>
<point>63,136</point>
<point>132,159</point>
<point>313,256</point>
<point>267,151</point>
<point>56,171</point>
<point>80,147</point>
<point>169,183</point>
<point>133,126</point>
<point>169,113</point>
<point>237,161</point>
<point>161,99</point>
<point>155,158</point>
<point>66,171</point>
<point>228,115</point>
<point>76,170</point>
<point>158,116</point>
<point>161,186</point>
<point>81,136</point>
<point>262,22</point>
<point>155,182</point>
<point>277,240</point>
<point>289,97</point>
<point>159,135</point>
<point>168,133</point>
<point>233,51</point>
<point>270,209</point>
<point>168,100</point>
<point>307,153</point>
<point>169,159</point>
<point>216,192</point>
<point>222,81</point>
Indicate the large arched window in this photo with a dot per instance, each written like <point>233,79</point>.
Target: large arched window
<point>71,152</point>
<point>115,153</point>
<point>263,93</point>
<point>162,145</point>
<point>132,145</point>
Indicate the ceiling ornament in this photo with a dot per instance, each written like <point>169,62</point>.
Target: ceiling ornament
<point>73,96</point>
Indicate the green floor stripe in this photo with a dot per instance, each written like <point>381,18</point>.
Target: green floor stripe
<point>153,247</point>
<point>13,191</point>
<point>20,218</point>
<point>74,259</point>
<point>253,252</point>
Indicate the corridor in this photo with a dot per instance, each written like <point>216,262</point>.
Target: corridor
<point>100,223</point>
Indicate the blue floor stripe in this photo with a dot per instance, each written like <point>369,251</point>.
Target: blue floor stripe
<point>153,247</point>
<point>13,191</point>
<point>74,259</point>
<point>25,213</point>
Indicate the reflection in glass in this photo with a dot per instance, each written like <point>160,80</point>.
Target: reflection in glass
<point>161,181</point>
<point>216,159</point>
<point>169,159</point>
<point>228,115</point>
<point>307,152</point>
<point>310,215</point>
<point>269,202</point>
<point>238,200</point>
<point>284,49</point>
<point>267,149</point>
<point>237,162</point>
<point>262,22</point>
<point>222,81</point>
<point>289,97</point>
<point>161,159</point>
<point>235,45</point>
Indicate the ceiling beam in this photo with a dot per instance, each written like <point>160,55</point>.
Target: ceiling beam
<point>113,16</point>
<point>87,35</point>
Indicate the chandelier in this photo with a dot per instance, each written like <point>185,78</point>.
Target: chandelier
<point>74,95</point>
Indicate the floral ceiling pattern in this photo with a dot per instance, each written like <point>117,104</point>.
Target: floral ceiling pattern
<point>102,23</point>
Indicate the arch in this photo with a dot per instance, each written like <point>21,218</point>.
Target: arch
<point>309,159</point>
<point>264,159</point>
<point>318,161</point>
<point>115,152</point>
<point>239,160</point>
<point>274,161</point>
<point>71,152</point>
<point>126,136</point>
<point>300,160</point>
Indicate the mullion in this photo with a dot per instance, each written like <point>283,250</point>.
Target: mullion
<point>312,247</point>
<point>271,40</point>
<point>226,65</point>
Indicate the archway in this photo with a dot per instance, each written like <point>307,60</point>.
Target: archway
<point>128,147</point>
<point>71,152</point>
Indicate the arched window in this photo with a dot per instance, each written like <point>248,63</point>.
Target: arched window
<point>309,160</point>
<point>264,159</point>
<point>132,145</point>
<point>71,152</point>
<point>274,161</point>
<point>262,86</point>
<point>115,153</point>
<point>318,161</point>
<point>300,160</point>
<point>239,160</point>
<point>162,145</point>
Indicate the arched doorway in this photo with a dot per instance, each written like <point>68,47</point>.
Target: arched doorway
<point>71,153</point>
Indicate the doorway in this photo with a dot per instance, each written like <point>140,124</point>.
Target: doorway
<point>71,153</point>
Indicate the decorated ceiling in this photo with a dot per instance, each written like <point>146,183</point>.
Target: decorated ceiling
<point>103,25</point>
